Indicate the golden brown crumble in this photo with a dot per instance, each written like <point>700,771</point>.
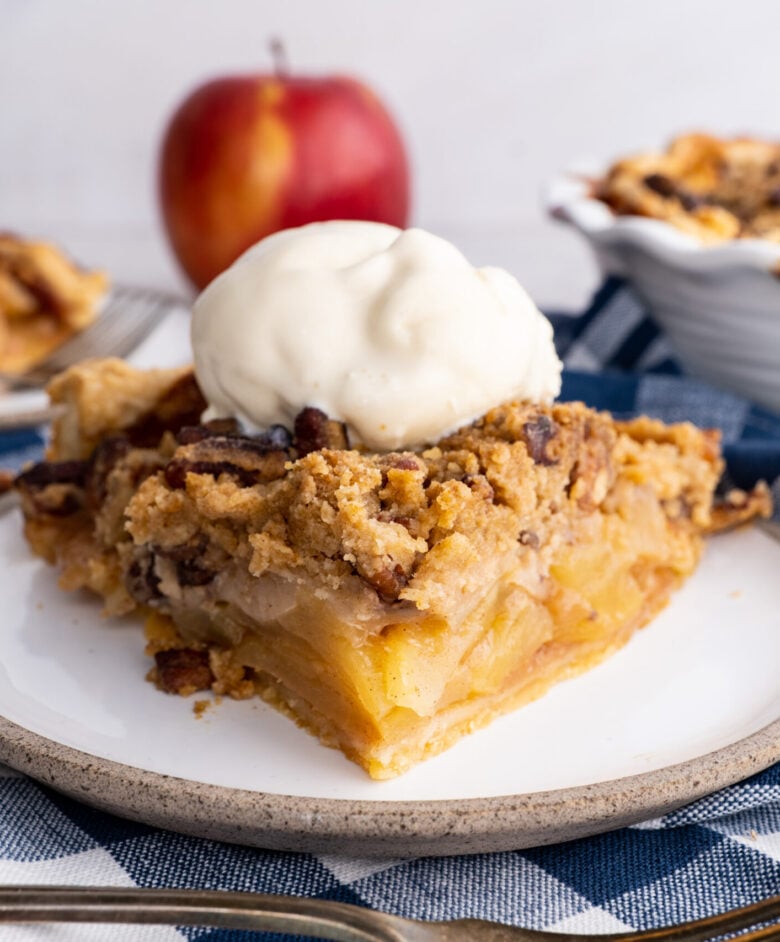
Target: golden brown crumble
<point>711,188</point>
<point>404,523</point>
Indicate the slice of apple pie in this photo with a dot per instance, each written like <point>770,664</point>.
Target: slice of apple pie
<point>389,603</point>
<point>44,300</point>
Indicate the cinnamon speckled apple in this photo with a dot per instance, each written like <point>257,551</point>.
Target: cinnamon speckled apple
<point>246,156</point>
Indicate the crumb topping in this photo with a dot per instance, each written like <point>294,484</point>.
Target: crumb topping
<point>171,515</point>
<point>711,188</point>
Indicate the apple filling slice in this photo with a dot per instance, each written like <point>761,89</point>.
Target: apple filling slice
<point>389,683</point>
<point>388,603</point>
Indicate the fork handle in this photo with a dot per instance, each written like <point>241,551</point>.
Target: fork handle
<point>325,919</point>
<point>221,909</point>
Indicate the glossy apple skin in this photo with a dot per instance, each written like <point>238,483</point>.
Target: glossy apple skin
<point>244,157</point>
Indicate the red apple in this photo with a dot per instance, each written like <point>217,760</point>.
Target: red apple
<point>246,156</point>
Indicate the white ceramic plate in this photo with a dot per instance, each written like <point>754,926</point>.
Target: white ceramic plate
<point>690,704</point>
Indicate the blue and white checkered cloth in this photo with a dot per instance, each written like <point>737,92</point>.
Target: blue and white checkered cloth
<point>721,851</point>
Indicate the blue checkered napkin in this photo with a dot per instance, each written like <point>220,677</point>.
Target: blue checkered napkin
<point>721,851</point>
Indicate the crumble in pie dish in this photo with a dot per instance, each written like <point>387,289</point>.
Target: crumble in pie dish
<point>44,300</point>
<point>711,188</point>
<point>388,603</point>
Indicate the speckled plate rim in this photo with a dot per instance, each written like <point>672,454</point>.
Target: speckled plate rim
<point>379,828</point>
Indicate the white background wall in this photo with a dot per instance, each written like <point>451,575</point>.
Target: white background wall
<point>494,97</point>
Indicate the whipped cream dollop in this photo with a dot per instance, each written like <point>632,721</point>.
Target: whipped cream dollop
<point>391,331</point>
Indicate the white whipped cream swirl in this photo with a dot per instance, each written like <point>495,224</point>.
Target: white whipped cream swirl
<point>391,331</point>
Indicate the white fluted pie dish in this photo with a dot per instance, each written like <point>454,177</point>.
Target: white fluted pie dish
<point>718,304</point>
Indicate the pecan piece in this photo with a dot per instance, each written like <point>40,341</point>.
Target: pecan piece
<point>59,501</point>
<point>661,184</point>
<point>176,472</point>
<point>46,296</point>
<point>183,404</point>
<point>189,572</point>
<point>478,484</point>
<point>274,438</point>
<point>388,582</point>
<point>142,581</point>
<point>54,488</point>
<point>189,434</point>
<point>529,538</point>
<point>188,561</point>
<point>54,472</point>
<point>249,460</point>
<point>403,462</point>
<point>690,201</point>
<point>241,445</point>
<point>313,431</point>
<point>183,670</point>
<point>409,523</point>
<point>183,552</point>
<point>537,434</point>
<point>105,457</point>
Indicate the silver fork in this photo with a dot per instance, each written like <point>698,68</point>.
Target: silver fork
<point>328,920</point>
<point>128,316</point>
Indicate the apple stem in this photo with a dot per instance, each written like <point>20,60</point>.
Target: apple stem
<point>279,57</point>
